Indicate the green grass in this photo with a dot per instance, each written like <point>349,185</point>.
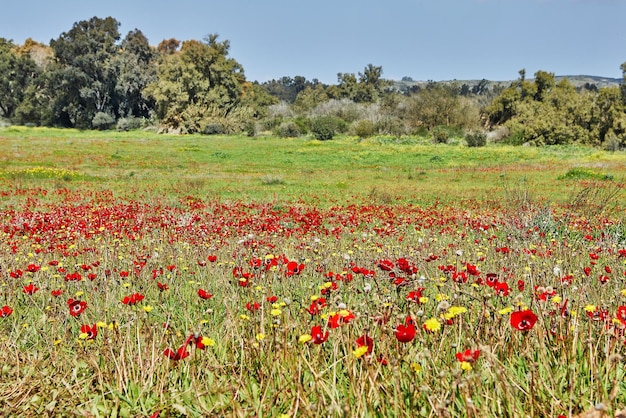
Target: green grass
<point>407,170</point>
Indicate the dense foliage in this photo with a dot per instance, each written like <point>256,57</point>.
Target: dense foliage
<point>88,78</point>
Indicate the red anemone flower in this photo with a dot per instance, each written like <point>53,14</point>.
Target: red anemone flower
<point>77,307</point>
<point>272,299</point>
<point>204,294</point>
<point>523,320</point>
<point>365,340</point>
<point>162,286</point>
<point>294,268</point>
<point>179,354</point>
<point>253,306</point>
<point>30,289</point>
<point>132,299</point>
<point>91,331</point>
<point>406,332</point>
<point>468,355</point>
<point>318,336</point>
<point>5,311</point>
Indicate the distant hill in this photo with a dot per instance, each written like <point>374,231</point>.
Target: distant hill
<point>406,84</point>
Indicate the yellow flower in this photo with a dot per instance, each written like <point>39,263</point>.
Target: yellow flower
<point>590,308</point>
<point>209,342</point>
<point>416,367</point>
<point>244,317</point>
<point>505,311</point>
<point>304,339</point>
<point>441,296</point>
<point>79,294</point>
<point>466,366</point>
<point>556,299</point>
<point>623,292</point>
<point>360,352</point>
<point>423,299</point>
<point>260,336</point>
<point>101,324</point>
<point>147,308</point>
<point>432,324</point>
<point>275,312</point>
<point>454,311</point>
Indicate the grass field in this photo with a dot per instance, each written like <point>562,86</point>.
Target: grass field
<point>151,275</point>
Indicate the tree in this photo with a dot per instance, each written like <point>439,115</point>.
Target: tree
<point>17,72</point>
<point>84,74</point>
<point>135,70</point>
<point>196,84</point>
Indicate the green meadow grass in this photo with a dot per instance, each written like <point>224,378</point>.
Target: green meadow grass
<point>383,169</point>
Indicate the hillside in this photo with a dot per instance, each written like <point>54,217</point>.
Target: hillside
<point>406,84</point>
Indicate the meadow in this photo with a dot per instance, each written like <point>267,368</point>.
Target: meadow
<point>153,275</point>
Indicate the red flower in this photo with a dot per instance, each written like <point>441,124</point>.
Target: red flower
<point>204,294</point>
<point>32,268</point>
<point>271,299</point>
<point>365,340</point>
<point>316,306</point>
<point>212,258</point>
<point>57,292</point>
<point>318,336</point>
<point>523,320</point>
<point>621,314</point>
<point>5,311</point>
<point>468,355</point>
<point>179,354</point>
<point>253,306</point>
<point>415,295</point>
<point>406,332</point>
<point>91,331</point>
<point>502,289</point>
<point>162,286</point>
<point>77,307</point>
<point>587,271</point>
<point>294,268</point>
<point>340,318</point>
<point>132,299</point>
<point>30,289</point>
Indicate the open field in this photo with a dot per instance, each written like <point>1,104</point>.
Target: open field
<point>145,275</point>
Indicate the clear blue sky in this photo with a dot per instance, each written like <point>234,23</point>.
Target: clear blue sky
<point>424,39</point>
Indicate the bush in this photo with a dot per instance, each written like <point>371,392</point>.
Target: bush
<point>102,121</point>
<point>440,134</point>
<point>288,130</point>
<point>364,128</point>
<point>250,128</point>
<point>476,139</point>
<point>129,124</point>
<point>324,128</point>
<point>213,129</point>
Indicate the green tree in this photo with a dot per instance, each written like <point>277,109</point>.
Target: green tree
<point>84,77</point>
<point>17,72</point>
<point>135,69</point>
<point>440,105</point>
<point>196,84</point>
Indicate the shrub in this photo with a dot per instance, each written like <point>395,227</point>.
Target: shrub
<point>213,129</point>
<point>288,130</point>
<point>611,142</point>
<point>250,128</point>
<point>325,127</point>
<point>440,134</point>
<point>364,128</point>
<point>129,124</point>
<point>476,139</point>
<point>102,121</point>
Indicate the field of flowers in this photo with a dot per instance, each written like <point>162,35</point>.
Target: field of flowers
<point>158,277</point>
<point>114,307</point>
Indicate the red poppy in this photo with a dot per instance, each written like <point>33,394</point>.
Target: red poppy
<point>587,271</point>
<point>5,311</point>
<point>468,355</point>
<point>365,340</point>
<point>57,292</point>
<point>32,268</point>
<point>197,340</point>
<point>406,332</point>
<point>212,258</point>
<point>294,268</point>
<point>272,299</point>
<point>340,318</point>
<point>502,289</point>
<point>204,294</point>
<point>318,336</point>
<point>317,305</point>
<point>132,299</point>
<point>77,307</point>
<point>179,354</point>
<point>385,265</point>
<point>91,331</point>
<point>523,320</point>
<point>253,306</point>
<point>162,286</point>
<point>415,295</point>
<point>30,289</point>
<point>621,314</point>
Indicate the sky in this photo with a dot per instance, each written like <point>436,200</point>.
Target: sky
<point>422,39</point>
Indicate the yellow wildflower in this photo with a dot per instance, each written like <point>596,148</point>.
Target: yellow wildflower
<point>432,325</point>
<point>360,352</point>
<point>305,338</point>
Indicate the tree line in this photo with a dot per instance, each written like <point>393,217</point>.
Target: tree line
<point>91,78</point>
